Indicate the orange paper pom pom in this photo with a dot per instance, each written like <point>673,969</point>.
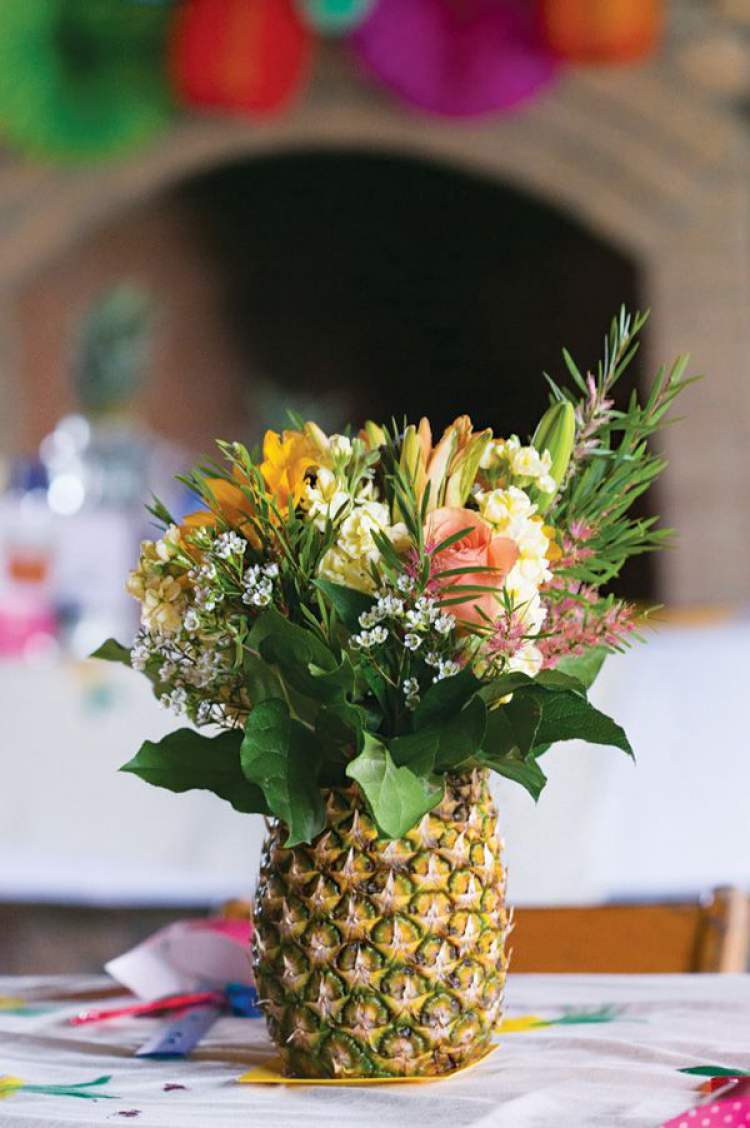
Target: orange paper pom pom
<point>602,31</point>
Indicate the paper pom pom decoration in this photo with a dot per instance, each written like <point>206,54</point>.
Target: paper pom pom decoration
<point>602,31</point>
<point>246,56</point>
<point>456,57</point>
<point>334,17</point>
<point>81,78</point>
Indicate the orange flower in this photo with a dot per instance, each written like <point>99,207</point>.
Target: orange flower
<point>286,460</point>
<point>232,507</point>
<point>479,548</point>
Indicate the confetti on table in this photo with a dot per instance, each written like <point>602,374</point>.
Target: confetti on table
<point>11,1005</point>
<point>570,1018</point>
<point>82,1089</point>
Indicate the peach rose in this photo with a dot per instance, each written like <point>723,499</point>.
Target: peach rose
<point>479,548</point>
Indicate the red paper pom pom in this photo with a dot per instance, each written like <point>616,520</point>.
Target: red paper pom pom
<point>602,31</point>
<point>249,56</point>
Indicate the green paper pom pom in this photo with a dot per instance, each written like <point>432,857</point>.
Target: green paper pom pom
<point>81,79</point>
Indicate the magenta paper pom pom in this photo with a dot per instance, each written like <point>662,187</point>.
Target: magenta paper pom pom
<point>457,58</point>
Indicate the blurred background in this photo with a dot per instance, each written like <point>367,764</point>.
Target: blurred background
<point>354,210</point>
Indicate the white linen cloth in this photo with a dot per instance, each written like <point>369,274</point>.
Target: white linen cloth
<point>622,1073</point>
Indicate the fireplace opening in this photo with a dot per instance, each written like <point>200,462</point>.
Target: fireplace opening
<point>369,286</point>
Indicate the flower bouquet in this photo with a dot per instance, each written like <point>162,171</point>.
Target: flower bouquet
<point>367,625</point>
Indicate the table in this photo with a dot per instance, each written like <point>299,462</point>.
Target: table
<point>594,1075</point>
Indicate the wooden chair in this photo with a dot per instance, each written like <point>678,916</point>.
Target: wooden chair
<point>712,934</point>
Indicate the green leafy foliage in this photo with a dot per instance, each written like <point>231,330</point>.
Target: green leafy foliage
<point>304,661</point>
<point>346,602</point>
<point>584,667</point>
<point>186,760</point>
<point>112,651</point>
<point>396,796</point>
<point>282,758</point>
<point>443,699</point>
<point>527,773</point>
<point>566,716</point>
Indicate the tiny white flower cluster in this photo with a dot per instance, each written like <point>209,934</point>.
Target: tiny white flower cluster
<point>446,667</point>
<point>187,664</point>
<point>229,544</point>
<point>258,584</point>
<point>176,700</point>
<point>386,606</point>
<point>420,623</point>
<point>365,640</point>
<point>206,592</point>
<point>411,692</point>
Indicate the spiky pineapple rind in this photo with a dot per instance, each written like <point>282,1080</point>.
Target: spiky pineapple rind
<point>384,957</point>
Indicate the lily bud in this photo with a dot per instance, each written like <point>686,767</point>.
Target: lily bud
<point>463,470</point>
<point>317,437</point>
<point>437,470</point>
<point>556,433</point>
<point>413,461</point>
<point>373,435</point>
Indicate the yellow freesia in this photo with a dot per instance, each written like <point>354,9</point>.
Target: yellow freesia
<point>286,460</point>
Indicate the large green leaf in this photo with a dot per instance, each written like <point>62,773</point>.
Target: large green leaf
<point>261,680</point>
<point>186,759</point>
<point>524,711</point>
<point>395,795</point>
<point>305,662</point>
<point>555,680</point>
<point>461,736</point>
<point>113,651</point>
<point>585,667</point>
<point>282,757</point>
<point>512,729</point>
<point>347,603</point>
<point>339,728</point>
<point>445,698</point>
<point>416,751</point>
<point>527,773</point>
<point>566,716</point>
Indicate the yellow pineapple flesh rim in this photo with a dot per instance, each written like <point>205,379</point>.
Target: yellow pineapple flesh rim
<point>270,1074</point>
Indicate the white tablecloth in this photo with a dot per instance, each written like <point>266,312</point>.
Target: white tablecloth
<point>567,1076</point>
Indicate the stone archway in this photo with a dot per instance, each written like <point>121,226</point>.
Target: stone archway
<point>623,151</point>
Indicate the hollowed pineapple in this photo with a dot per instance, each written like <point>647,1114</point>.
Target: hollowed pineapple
<point>384,957</point>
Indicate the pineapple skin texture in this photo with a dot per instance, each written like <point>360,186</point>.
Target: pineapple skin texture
<point>384,957</point>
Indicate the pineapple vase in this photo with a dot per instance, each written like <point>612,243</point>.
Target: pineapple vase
<point>381,957</point>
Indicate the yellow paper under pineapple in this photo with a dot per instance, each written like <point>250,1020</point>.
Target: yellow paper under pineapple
<point>270,1074</point>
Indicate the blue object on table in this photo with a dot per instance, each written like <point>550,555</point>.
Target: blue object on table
<point>181,1036</point>
<point>243,1000</point>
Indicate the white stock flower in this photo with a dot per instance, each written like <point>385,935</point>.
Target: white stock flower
<point>348,561</point>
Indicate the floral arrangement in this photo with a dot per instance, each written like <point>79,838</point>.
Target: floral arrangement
<point>390,608</point>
